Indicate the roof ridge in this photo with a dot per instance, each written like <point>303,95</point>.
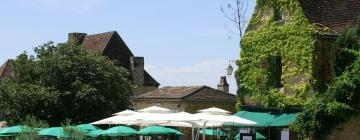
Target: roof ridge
<point>109,32</point>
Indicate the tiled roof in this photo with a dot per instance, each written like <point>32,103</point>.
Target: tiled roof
<point>189,93</point>
<point>97,42</point>
<point>5,69</point>
<point>335,14</point>
<point>170,92</point>
<point>209,94</point>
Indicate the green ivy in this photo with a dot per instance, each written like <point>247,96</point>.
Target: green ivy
<point>292,39</point>
<point>341,101</point>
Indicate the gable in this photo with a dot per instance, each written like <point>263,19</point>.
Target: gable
<point>210,94</point>
<point>117,50</point>
<point>110,44</point>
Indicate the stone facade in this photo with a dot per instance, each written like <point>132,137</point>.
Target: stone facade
<point>346,131</point>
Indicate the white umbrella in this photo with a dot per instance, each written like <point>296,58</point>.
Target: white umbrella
<point>116,120</point>
<point>126,112</point>
<point>156,109</point>
<point>217,115</point>
<point>214,110</point>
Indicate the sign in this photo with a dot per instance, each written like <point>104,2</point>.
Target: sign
<point>247,136</point>
<point>285,134</point>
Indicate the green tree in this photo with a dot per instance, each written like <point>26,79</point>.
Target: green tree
<point>64,81</point>
<point>348,49</point>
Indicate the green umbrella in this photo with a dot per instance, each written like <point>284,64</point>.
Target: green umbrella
<point>15,130</point>
<point>54,131</point>
<point>212,132</point>
<point>95,133</point>
<point>87,127</point>
<point>257,135</point>
<point>119,131</point>
<point>158,130</point>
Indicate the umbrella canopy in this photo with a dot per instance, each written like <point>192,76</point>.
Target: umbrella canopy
<point>126,112</point>
<point>119,131</point>
<point>5,135</point>
<point>87,127</point>
<point>156,109</point>
<point>158,130</point>
<point>257,135</point>
<point>212,132</point>
<point>95,133</point>
<point>215,111</point>
<point>117,120</point>
<point>266,119</point>
<point>210,118</point>
<point>54,131</point>
<point>15,129</point>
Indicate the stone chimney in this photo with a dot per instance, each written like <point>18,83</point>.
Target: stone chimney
<point>76,38</point>
<point>223,85</point>
<point>137,70</point>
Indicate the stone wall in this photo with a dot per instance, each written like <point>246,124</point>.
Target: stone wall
<point>346,131</point>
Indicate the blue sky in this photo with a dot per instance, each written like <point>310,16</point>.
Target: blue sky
<point>184,42</point>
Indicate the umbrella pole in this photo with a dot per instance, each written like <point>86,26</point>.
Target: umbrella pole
<point>203,135</point>
<point>192,132</point>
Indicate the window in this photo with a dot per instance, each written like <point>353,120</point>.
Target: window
<point>157,104</point>
<point>277,14</point>
<point>275,71</point>
<point>273,65</point>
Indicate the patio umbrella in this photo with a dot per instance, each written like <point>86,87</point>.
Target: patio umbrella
<point>87,127</point>
<point>119,131</point>
<point>216,115</point>
<point>158,130</point>
<point>15,129</point>
<point>214,110</point>
<point>95,133</point>
<point>212,132</point>
<point>156,109</point>
<point>5,135</point>
<point>54,131</point>
<point>117,120</point>
<point>126,112</point>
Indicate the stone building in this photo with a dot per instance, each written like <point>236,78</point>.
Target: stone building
<point>189,98</point>
<point>279,66</point>
<point>276,61</point>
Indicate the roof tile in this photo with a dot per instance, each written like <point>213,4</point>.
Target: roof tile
<point>335,14</point>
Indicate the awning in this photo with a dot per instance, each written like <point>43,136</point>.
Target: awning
<point>265,119</point>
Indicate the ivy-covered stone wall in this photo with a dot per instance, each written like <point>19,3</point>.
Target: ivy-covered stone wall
<point>278,28</point>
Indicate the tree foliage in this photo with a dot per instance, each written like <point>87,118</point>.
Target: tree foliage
<point>64,81</point>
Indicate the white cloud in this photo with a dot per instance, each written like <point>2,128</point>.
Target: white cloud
<point>206,72</point>
<point>78,6</point>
